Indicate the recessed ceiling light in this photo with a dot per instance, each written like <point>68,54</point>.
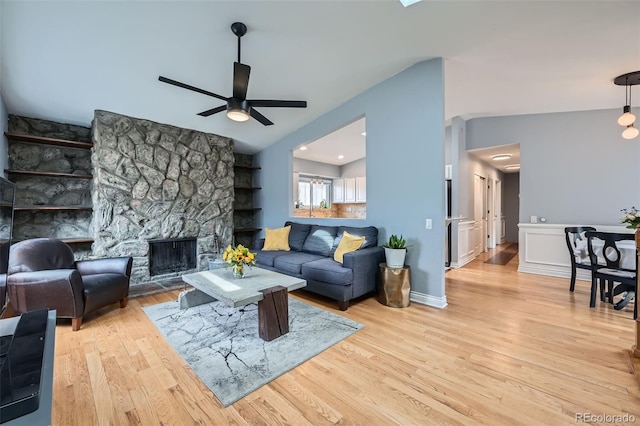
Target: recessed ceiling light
<point>303,148</point>
<point>512,167</point>
<point>364,133</point>
<point>340,157</point>
<point>501,157</point>
<point>407,3</point>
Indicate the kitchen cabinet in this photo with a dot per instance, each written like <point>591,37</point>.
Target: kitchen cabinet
<point>338,191</point>
<point>350,190</point>
<point>361,190</point>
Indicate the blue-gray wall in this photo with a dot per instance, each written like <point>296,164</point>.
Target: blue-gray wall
<point>575,167</point>
<point>315,168</point>
<point>405,167</point>
<point>4,150</point>
<point>353,169</point>
<point>511,205</point>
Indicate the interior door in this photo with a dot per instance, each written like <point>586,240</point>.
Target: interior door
<point>479,215</point>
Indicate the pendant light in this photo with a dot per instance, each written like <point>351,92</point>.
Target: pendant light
<point>628,118</point>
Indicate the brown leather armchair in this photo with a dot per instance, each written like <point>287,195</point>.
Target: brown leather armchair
<point>42,273</point>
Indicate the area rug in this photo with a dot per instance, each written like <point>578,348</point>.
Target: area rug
<point>221,344</point>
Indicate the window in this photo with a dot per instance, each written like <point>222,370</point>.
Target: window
<point>314,191</point>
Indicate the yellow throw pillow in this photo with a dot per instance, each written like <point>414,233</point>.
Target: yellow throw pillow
<point>348,243</point>
<point>277,239</point>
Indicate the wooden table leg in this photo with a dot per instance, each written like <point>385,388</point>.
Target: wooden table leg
<point>273,313</point>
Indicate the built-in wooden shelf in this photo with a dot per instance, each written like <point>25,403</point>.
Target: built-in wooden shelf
<point>47,141</point>
<point>248,209</point>
<point>238,230</point>
<point>64,240</point>
<point>247,187</point>
<point>53,208</point>
<point>247,167</point>
<point>47,174</point>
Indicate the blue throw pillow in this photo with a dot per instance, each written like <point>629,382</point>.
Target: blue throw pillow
<point>320,240</point>
<point>297,235</point>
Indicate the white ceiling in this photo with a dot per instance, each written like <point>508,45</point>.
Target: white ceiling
<point>487,155</point>
<point>338,148</point>
<point>62,60</point>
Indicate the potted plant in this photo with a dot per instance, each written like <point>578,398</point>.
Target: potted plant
<point>395,251</point>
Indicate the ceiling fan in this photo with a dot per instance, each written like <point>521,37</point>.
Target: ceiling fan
<point>238,107</point>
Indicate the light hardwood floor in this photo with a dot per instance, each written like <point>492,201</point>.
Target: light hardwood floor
<point>509,349</point>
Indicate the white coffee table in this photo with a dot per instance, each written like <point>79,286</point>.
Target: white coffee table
<point>270,289</point>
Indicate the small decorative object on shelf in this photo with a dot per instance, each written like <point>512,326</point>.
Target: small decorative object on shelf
<point>238,258</point>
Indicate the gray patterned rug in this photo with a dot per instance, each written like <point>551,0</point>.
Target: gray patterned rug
<point>221,344</point>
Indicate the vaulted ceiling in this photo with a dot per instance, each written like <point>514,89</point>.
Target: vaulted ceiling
<point>62,60</point>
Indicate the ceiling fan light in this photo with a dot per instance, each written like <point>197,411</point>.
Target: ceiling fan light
<point>238,110</point>
<point>626,119</point>
<point>630,132</point>
<point>237,115</point>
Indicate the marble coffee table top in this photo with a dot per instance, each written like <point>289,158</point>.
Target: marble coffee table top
<point>236,292</point>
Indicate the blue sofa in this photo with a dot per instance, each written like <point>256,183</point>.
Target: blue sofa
<point>311,258</point>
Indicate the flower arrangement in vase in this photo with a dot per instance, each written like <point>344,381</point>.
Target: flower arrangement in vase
<point>238,257</point>
<point>631,218</point>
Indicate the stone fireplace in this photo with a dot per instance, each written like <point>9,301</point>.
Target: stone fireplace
<point>153,181</point>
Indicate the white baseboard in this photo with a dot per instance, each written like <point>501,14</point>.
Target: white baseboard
<point>462,261</point>
<point>426,299</point>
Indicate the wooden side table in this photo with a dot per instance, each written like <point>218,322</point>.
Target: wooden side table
<point>394,285</point>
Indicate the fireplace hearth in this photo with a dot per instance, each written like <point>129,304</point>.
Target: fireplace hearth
<point>172,255</point>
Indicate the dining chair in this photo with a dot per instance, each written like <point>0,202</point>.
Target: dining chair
<point>577,245</point>
<point>616,269</point>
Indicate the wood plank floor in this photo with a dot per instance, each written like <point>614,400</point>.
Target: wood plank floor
<point>509,349</point>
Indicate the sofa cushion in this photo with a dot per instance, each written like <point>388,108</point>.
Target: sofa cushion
<point>291,262</point>
<point>266,257</point>
<point>277,239</point>
<point>320,240</point>
<point>298,234</point>
<point>347,244</point>
<point>370,234</point>
<point>328,271</point>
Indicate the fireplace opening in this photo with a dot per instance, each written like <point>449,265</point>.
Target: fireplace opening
<point>172,255</point>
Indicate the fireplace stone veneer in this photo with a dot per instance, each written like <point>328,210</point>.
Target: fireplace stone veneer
<point>155,181</point>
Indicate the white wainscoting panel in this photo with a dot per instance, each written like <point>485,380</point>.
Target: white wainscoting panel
<point>466,244</point>
<point>543,249</point>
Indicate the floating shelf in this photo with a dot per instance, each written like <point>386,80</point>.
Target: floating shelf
<point>247,187</point>
<point>64,240</point>
<point>239,230</point>
<point>53,208</point>
<point>48,141</point>
<point>254,209</point>
<point>247,167</point>
<point>47,174</point>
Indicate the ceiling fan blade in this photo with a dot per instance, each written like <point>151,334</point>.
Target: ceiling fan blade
<point>212,111</point>
<point>240,80</point>
<point>261,118</point>
<point>186,86</point>
<point>277,104</point>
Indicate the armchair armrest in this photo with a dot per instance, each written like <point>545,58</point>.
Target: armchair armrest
<point>109,265</point>
<point>364,264</point>
<point>59,289</point>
